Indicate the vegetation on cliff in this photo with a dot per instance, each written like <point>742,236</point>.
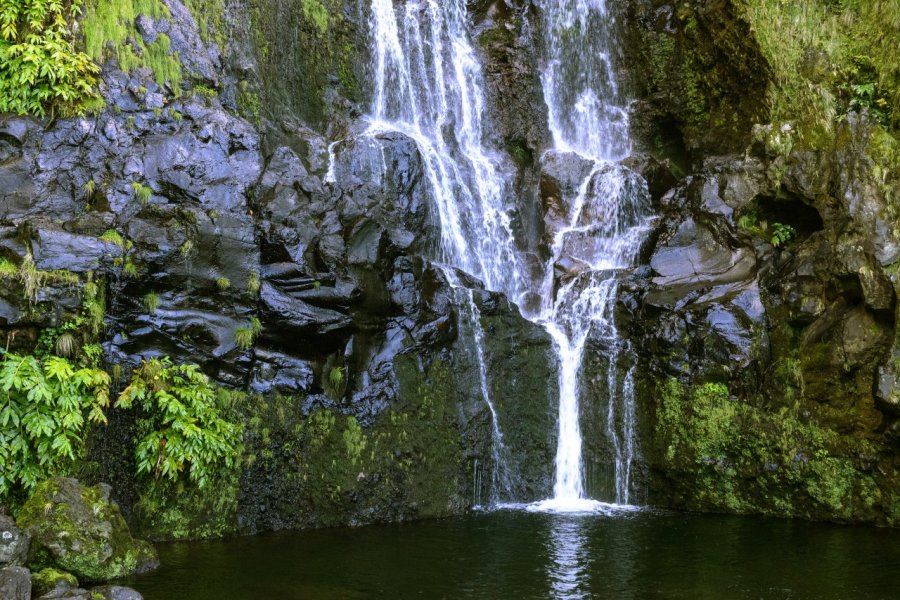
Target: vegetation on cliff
<point>41,72</point>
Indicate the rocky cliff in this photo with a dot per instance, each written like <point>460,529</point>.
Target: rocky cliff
<point>233,215</point>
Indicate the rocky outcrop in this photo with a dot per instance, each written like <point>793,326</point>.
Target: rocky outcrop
<point>767,310</point>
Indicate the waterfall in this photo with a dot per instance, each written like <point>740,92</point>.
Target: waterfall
<point>606,223</point>
<point>428,85</point>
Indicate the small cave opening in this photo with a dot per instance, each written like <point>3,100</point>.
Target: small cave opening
<point>791,210</point>
<point>785,209</point>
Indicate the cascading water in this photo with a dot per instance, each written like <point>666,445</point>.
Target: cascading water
<point>428,83</point>
<point>428,86</point>
<point>606,223</point>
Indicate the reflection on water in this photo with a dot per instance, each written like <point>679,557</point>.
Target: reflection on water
<point>521,555</point>
<point>568,568</point>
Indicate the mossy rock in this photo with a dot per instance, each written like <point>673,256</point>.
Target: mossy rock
<point>78,529</point>
<point>47,580</point>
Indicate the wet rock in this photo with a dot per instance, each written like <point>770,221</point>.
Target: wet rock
<point>15,583</point>
<point>80,529</point>
<point>299,316</point>
<point>692,258</point>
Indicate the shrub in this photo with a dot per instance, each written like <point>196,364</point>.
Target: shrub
<point>182,430</point>
<point>44,406</point>
<point>40,71</point>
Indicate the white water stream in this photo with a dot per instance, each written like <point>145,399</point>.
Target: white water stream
<point>429,86</point>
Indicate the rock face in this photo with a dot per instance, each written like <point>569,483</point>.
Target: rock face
<point>15,583</point>
<point>80,530</point>
<point>13,543</point>
<point>196,223</point>
<point>762,367</point>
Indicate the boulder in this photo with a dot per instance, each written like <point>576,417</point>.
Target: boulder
<point>79,529</point>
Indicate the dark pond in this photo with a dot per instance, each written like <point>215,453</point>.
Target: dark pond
<point>516,555</point>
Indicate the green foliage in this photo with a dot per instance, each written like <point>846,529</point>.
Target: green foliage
<point>336,377</point>
<point>223,283</point>
<point>32,279</point>
<point>151,302</point>
<point>141,192</point>
<point>316,12</point>
<point>245,337</point>
<point>205,92</point>
<point>829,57</point>
<point>182,431</point>
<point>248,102</point>
<point>44,407</point>
<point>40,71</point>
<point>90,188</point>
<point>782,234</point>
<point>253,283</point>
<point>210,17</point>
<point>729,454</point>
<point>123,256</point>
<point>111,236</point>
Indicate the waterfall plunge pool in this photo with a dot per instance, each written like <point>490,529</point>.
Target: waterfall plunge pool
<point>524,555</point>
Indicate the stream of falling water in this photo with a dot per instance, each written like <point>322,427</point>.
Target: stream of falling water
<point>429,86</point>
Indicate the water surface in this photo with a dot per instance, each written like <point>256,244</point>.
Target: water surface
<point>520,555</point>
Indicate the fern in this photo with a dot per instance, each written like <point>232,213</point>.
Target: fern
<point>40,71</point>
<point>184,432</point>
<point>46,406</point>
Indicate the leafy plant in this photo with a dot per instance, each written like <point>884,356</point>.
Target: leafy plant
<point>223,283</point>
<point>111,236</point>
<point>336,377</point>
<point>183,430</point>
<point>90,188</point>
<point>244,337</point>
<point>44,406</point>
<point>33,279</point>
<point>40,71</point>
<point>123,260</point>
<point>782,234</point>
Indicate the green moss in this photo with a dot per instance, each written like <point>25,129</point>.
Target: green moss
<point>210,17</point>
<point>829,58</point>
<point>316,13</point>
<point>45,580</point>
<point>294,78</point>
<point>176,511</point>
<point>729,455</point>
<point>75,529</point>
<point>109,32</point>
